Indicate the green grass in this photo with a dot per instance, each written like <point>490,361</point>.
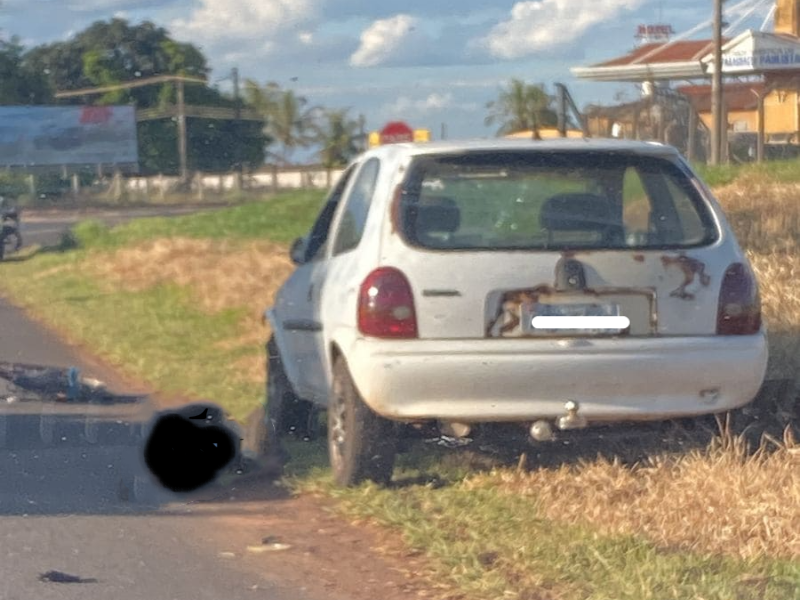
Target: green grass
<point>280,219</point>
<point>159,334</point>
<point>156,334</point>
<point>489,544</point>
<point>777,171</point>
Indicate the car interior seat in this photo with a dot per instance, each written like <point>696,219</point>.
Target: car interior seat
<point>583,213</point>
<point>434,219</point>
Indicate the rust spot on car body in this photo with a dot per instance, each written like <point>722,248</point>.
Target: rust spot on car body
<point>692,269</point>
<point>638,258</point>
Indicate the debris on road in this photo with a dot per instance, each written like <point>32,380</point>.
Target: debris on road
<point>31,383</point>
<point>59,577</point>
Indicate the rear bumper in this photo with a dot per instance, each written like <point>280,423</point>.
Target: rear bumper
<point>519,380</point>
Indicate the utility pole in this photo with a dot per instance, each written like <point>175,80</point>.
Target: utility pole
<point>444,131</point>
<point>238,144</point>
<point>362,134</point>
<point>717,132</point>
<point>182,154</point>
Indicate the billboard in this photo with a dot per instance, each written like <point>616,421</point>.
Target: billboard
<point>41,136</point>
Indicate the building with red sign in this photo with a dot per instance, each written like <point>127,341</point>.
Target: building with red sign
<point>761,71</point>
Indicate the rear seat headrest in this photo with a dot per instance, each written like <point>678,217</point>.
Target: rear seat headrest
<point>578,212</point>
<point>435,214</point>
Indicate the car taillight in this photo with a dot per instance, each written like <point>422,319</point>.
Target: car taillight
<point>739,310</point>
<point>386,305</point>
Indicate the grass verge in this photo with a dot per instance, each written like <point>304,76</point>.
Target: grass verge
<point>498,534</point>
<point>170,301</point>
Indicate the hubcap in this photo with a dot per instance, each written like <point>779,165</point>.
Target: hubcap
<point>338,431</point>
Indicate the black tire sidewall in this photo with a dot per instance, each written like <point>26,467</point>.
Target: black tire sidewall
<point>370,445</point>
<point>274,397</point>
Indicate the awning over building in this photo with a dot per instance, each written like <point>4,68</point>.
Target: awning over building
<point>671,60</point>
<point>757,52</point>
<point>750,53</point>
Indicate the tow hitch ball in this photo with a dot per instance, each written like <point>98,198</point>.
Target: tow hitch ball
<point>542,431</point>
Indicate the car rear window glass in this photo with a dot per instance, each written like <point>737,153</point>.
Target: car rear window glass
<point>552,201</point>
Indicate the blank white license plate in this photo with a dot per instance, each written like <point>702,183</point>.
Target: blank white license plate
<point>575,319</point>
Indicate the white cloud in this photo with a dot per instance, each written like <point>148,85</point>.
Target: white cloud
<point>434,102</point>
<point>105,6</point>
<point>245,20</point>
<point>541,25</point>
<point>381,41</point>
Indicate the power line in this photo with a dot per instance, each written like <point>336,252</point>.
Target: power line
<point>129,85</point>
<point>745,15</point>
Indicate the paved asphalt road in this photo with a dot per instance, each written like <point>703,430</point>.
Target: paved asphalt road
<point>75,498</point>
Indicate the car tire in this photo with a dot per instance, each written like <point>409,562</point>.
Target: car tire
<point>362,446</point>
<point>284,413</point>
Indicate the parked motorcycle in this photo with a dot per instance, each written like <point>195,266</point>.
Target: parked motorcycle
<point>10,236</point>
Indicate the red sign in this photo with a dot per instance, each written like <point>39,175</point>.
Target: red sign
<point>95,115</point>
<point>655,31</point>
<point>396,132</point>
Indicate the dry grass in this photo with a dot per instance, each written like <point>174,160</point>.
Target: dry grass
<point>766,217</point>
<point>720,501</point>
<point>221,275</point>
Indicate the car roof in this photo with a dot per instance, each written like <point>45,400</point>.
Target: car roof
<point>505,144</point>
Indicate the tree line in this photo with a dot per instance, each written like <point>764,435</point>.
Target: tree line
<point>113,52</point>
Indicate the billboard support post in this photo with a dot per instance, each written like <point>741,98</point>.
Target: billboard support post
<point>182,152</point>
<point>76,186</point>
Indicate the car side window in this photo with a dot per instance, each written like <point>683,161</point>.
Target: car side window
<point>318,238</point>
<point>356,208</point>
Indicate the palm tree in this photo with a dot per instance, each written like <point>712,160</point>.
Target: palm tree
<point>521,107</point>
<point>337,134</point>
<point>289,120</point>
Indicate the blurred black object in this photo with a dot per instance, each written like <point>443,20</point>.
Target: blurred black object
<point>10,236</point>
<point>184,453</point>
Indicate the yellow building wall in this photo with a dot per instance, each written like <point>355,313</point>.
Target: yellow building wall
<point>780,112</point>
<point>747,119</point>
<point>546,133</point>
<point>780,115</point>
<point>787,17</point>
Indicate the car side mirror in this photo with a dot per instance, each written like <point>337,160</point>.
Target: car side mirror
<point>298,251</point>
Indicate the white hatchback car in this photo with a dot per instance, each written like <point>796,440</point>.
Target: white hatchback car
<point>551,284</point>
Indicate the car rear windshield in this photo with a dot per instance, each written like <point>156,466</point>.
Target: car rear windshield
<point>552,201</point>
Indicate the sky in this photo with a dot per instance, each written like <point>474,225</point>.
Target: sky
<point>428,62</point>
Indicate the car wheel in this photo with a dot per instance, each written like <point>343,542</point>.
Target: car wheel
<point>362,446</point>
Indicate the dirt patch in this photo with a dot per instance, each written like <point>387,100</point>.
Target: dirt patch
<point>329,557</point>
